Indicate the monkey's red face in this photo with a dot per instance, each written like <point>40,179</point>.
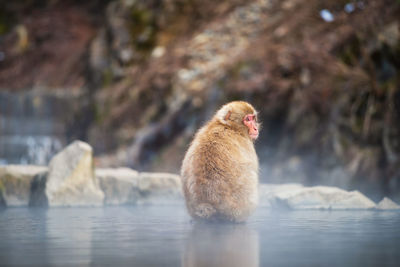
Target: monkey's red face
<point>250,120</point>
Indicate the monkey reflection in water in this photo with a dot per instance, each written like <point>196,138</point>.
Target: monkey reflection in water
<point>220,169</point>
<point>221,245</point>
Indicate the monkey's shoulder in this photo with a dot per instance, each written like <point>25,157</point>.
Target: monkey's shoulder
<point>224,144</point>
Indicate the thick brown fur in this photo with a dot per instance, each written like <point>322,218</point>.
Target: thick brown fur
<point>220,168</point>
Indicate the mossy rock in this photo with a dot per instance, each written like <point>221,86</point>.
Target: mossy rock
<point>143,29</point>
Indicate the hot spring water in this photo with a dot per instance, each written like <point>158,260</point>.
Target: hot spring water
<point>165,236</point>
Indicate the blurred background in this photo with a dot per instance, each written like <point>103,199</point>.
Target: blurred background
<point>136,78</point>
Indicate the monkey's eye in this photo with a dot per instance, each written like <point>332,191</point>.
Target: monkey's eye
<point>249,117</point>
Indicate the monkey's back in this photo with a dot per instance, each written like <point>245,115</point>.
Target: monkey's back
<point>220,175</point>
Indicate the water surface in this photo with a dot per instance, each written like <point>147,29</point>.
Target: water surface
<point>164,236</point>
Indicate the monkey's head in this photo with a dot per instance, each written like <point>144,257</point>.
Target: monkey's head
<point>240,116</point>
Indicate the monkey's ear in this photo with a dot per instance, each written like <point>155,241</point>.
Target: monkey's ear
<point>224,114</point>
<point>228,114</point>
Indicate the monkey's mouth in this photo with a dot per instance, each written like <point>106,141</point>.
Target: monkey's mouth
<point>253,136</point>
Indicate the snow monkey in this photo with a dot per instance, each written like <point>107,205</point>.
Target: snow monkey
<point>220,169</point>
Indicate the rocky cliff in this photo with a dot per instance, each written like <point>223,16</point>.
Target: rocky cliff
<point>324,76</point>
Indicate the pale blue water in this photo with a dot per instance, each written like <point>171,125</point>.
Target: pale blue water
<point>164,236</point>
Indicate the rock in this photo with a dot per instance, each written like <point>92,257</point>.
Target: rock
<point>387,204</point>
<point>319,197</point>
<point>268,192</point>
<point>120,185</point>
<point>15,184</point>
<point>71,180</point>
<point>158,51</point>
<point>126,186</point>
<point>160,188</point>
<point>211,51</point>
<point>390,34</point>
